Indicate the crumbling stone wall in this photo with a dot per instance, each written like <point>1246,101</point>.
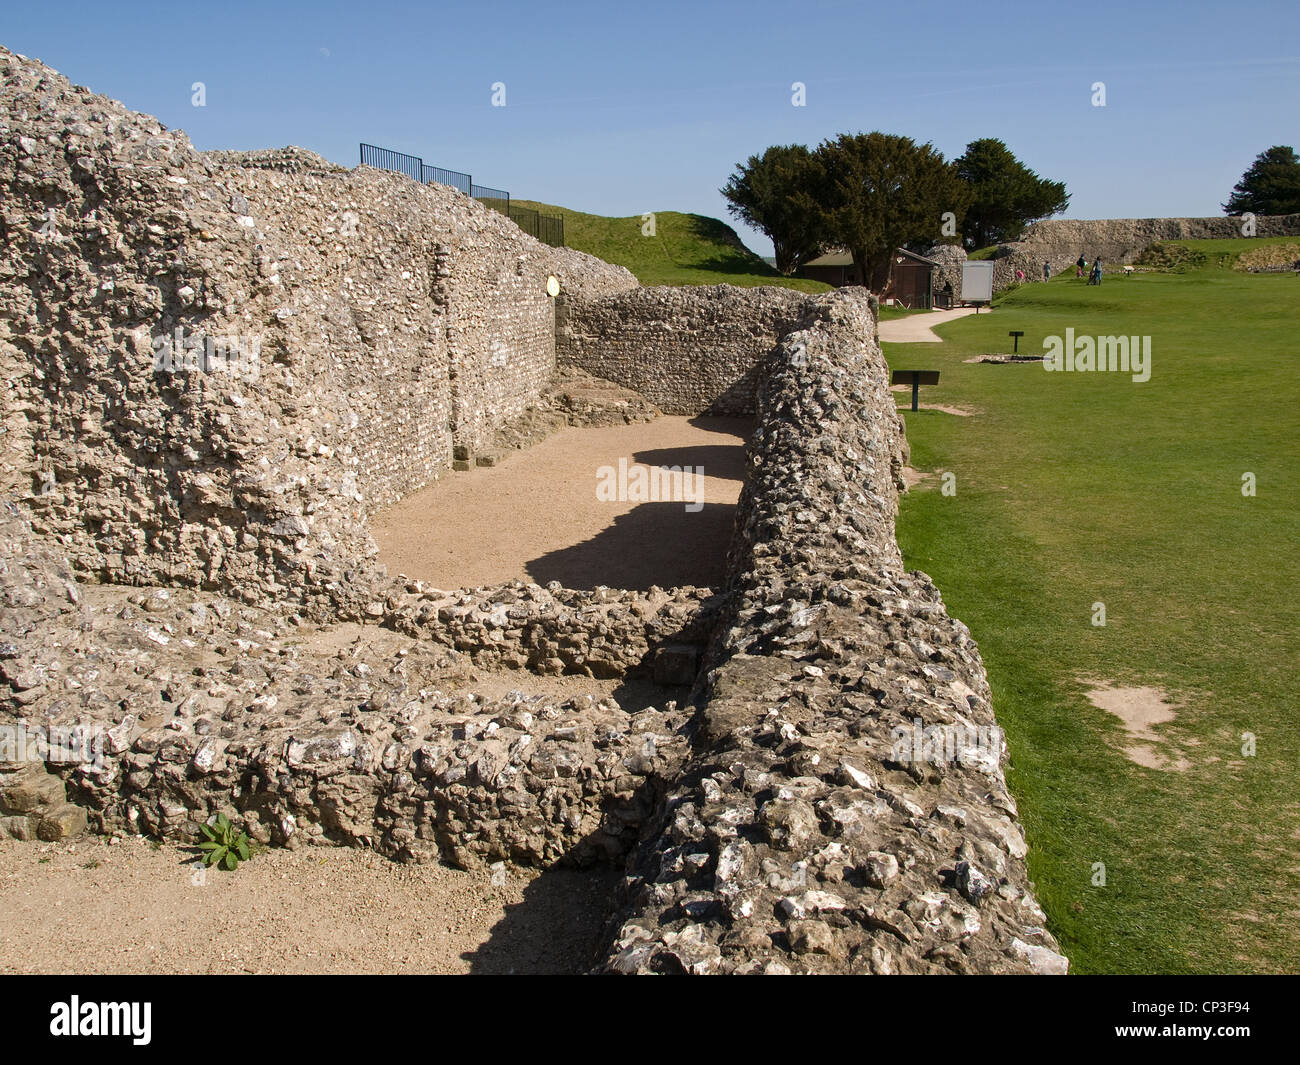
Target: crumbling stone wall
<point>688,350</point>
<point>195,704</point>
<point>1060,241</point>
<point>950,258</point>
<point>781,826</point>
<point>377,321</point>
<point>799,836</point>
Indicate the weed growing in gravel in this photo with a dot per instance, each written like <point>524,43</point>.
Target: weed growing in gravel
<point>225,846</point>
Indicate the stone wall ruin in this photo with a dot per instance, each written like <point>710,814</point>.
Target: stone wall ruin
<point>1060,241</point>
<point>690,350</point>
<point>378,323</point>
<point>186,573</point>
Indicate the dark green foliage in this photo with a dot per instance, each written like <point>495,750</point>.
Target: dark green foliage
<point>776,193</point>
<point>881,191</point>
<point>1006,194</point>
<point>1270,186</point>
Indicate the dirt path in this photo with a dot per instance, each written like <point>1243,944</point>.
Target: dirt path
<point>128,907</point>
<point>537,516</point>
<point>918,328</point>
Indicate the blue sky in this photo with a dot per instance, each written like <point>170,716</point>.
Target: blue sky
<point>620,109</point>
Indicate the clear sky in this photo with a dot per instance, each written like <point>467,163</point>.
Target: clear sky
<point>619,109</point>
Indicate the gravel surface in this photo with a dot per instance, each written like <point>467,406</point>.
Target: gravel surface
<point>537,517</point>
<point>95,907</point>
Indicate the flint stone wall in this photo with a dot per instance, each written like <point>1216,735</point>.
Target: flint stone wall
<point>950,258</point>
<point>795,840</point>
<point>1060,241</point>
<point>392,320</point>
<point>199,705</point>
<point>689,350</point>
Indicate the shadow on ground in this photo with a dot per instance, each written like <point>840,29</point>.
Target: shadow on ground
<point>656,544</point>
<point>716,460</point>
<point>556,929</point>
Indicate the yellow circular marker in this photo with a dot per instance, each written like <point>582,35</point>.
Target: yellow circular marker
<point>552,286</point>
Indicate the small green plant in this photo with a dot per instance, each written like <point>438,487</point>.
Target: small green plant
<point>225,846</point>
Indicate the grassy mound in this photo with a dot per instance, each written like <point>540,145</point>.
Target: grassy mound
<point>1173,256</point>
<point>686,249</point>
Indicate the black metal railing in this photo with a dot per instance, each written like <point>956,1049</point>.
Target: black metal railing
<point>454,178</point>
<point>545,227</point>
<point>548,228</point>
<point>387,159</point>
<point>497,199</point>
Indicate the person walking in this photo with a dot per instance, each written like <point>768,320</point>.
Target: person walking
<point>1079,266</point>
<point>1047,270</point>
<point>1095,279</point>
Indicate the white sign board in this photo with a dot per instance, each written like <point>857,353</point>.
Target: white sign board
<point>977,282</point>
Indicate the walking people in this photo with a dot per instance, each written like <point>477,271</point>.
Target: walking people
<point>1079,266</point>
<point>1095,279</point>
<point>1047,270</point>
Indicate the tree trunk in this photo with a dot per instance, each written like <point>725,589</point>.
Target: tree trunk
<point>860,271</point>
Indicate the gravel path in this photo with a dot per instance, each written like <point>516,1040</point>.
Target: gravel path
<point>537,516</point>
<point>919,328</point>
<point>92,907</point>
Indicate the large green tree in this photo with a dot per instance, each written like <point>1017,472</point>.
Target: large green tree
<point>776,193</point>
<point>881,191</point>
<point>1270,186</point>
<point>1005,194</point>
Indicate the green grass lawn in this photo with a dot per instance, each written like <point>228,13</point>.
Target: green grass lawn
<point>687,249</point>
<point>1076,488</point>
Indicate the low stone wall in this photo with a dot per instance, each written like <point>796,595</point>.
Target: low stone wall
<point>689,350</point>
<point>193,704</point>
<point>1060,241</point>
<point>803,835</point>
<point>554,630</point>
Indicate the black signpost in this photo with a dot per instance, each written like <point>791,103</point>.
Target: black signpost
<point>915,378</point>
<point>1015,336</point>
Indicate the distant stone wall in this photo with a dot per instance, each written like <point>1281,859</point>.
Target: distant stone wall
<point>688,350</point>
<point>951,258</point>
<point>810,829</point>
<point>1060,241</point>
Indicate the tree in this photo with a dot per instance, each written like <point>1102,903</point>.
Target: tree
<point>775,193</point>
<point>1006,194</point>
<point>1270,186</point>
<point>881,191</point>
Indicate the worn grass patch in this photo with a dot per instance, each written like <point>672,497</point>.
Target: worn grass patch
<point>1081,489</point>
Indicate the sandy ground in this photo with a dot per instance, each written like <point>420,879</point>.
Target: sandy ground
<point>918,328</point>
<point>1140,710</point>
<point>92,907</point>
<point>537,516</point>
